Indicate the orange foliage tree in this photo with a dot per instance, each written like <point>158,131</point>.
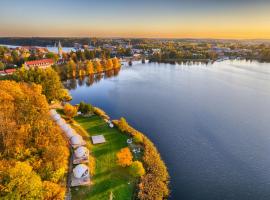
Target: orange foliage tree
<point>70,111</point>
<point>124,157</point>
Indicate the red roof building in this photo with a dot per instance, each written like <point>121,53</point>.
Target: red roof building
<point>44,63</point>
<point>10,71</point>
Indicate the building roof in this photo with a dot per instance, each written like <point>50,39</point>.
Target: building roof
<point>40,62</point>
<point>8,71</point>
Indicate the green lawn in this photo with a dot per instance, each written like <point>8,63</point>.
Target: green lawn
<point>108,176</point>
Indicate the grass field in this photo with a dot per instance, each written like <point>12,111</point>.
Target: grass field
<point>108,176</point>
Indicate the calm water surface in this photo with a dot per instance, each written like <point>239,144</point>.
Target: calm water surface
<point>211,123</point>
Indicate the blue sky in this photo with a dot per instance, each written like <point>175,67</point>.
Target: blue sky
<point>149,18</point>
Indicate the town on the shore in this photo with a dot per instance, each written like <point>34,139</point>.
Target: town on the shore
<point>60,51</point>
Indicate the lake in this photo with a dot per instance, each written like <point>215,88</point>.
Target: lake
<point>211,123</point>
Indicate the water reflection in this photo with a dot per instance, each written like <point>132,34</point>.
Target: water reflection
<point>89,80</point>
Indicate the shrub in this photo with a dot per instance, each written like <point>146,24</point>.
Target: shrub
<point>70,111</point>
<point>124,157</point>
<point>101,113</point>
<point>136,169</point>
<point>138,138</point>
<point>85,108</point>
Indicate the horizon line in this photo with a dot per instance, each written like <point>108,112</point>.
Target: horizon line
<point>118,37</point>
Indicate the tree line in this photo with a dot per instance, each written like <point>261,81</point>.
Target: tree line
<point>74,69</point>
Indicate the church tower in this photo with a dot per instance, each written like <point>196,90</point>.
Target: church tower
<point>60,50</point>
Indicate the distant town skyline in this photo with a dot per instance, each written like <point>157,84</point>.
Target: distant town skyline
<point>238,19</point>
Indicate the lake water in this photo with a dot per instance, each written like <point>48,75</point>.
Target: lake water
<point>211,123</point>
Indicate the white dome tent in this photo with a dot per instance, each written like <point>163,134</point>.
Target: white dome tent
<point>81,152</point>
<point>70,132</point>
<point>61,122</point>
<point>53,112</point>
<point>56,117</point>
<point>65,127</point>
<point>77,141</point>
<point>81,171</point>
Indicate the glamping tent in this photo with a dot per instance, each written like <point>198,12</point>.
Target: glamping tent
<point>76,139</point>
<point>81,171</point>
<point>81,152</point>
<point>61,122</point>
<point>81,155</point>
<point>65,127</point>
<point>56,117</point>
<point>70,133</point>
<point>53,112</point>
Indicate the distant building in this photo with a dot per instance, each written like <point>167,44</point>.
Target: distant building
<point>7,72</point>
<point>44,63</point>
<point>60,50</point>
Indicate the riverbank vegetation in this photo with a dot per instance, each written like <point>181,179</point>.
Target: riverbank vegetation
<point>34,153</point>
<point>154,183</point>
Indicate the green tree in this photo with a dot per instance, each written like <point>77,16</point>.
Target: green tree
<point>136,169</point>
<point>2,66</point>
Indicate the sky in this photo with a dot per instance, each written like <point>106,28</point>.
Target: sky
<point>224,19</point>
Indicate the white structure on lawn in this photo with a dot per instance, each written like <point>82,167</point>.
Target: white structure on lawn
<point>98,139</point>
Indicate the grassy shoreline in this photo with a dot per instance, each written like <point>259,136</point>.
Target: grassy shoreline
<point>108,177</point>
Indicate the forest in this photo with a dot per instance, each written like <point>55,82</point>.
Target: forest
<point>34,153</point>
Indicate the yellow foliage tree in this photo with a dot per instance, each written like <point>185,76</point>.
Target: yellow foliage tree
<point>98,67</point>
<point>89,67</point>
<point>52,191</point>
<point>70,111</point>
<point>22,182</point>
<point>116,63</point>
<point>136,169</point>
<point>124,157</point>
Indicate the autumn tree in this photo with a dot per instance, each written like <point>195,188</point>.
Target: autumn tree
<point>53,191</point>
<point>51,84</point>
<point>71,65</point>
<point>124,157</point>
<point>116,63</point>
<point>89,67</point>
<point>136,169</point>
<point>70,111</point>
<point>2,66</point>
<point>97,66</point>
<point>20,182</point>
<point>109,64</point>
<point>122,124</point>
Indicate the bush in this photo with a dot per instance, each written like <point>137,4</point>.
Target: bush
<point>136,169</point>
<point>138,138</point>
<point>85,108</point>
<point>124,157</point>
<point>70,111</point>
<point>101,113</point>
